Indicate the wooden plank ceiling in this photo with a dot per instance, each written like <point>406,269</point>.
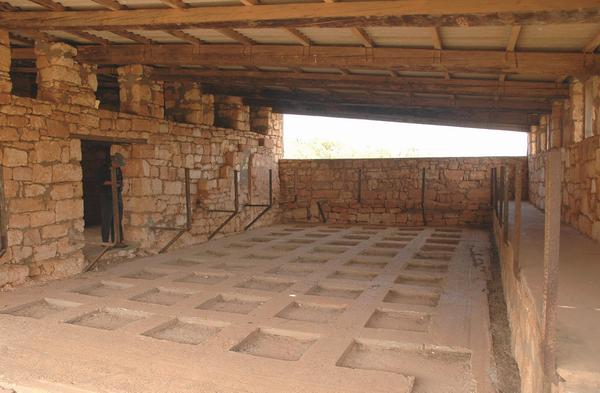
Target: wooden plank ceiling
<point>494,64</point>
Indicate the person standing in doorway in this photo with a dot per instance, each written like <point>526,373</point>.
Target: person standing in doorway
<point>106,204</point>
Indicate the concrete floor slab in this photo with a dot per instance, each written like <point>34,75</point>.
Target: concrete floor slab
<point>343,309</point>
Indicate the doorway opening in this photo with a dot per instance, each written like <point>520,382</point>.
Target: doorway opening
<point>95,157</point>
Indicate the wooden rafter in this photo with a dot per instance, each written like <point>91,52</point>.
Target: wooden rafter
<point>50,5</point>
<point>363,36</point>
<point>234,35</point>
<point>511,44</point>
<point>91,37</point>
<point>436,38</point>
<point>304,40</point>
<point>338,14</point>
<point>593,44</point>
<point>249,2</point>
<point>131,36</point>
<point>176,4</point>
<point>185,36</point>
<point>399,59</point>
<point>111,4</point>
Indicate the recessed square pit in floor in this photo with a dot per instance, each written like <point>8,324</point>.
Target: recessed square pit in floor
<point>40,308</point>
<point>108,318</point>
<point>366,263</point>
<point>435,369</point>
<point>420,279</point>
<point>186,330</point>
<point>329,290</point>
<point>310,260</point>
<point>102,288</point>
<point>379,252</point>
<point>145,275</point>
<point>311,312</point>
<point>233,303</point>
<point>182,262</point>
<point>204,278</point>
<point>329,250</point>
<point>266,284</point>
<point>291,270</point>
<point>399,320</point>
<point>424,265</point>
<point>352,275</point>
<point>414,296</point>
<point>162,296</point>
<point>285,247</point>
<point>232,266</point>
<point>276,344</point>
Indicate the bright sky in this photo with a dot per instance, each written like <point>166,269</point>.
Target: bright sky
<point>367,138</point>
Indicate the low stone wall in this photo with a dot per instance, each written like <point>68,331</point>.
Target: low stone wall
<point>580,181</point>
<point>522,316</point>
<point>457,190</point>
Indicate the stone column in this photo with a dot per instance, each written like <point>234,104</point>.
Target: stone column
<point>556,128</point>
<point>533,136</point>
<point>61,78</point>
<point>185,102</point>
<point>138,93</point>
<point>260,119</point>
<point>5,58</point>
<point>543,133</point>
<point>576,109</point>
<point>230,112</point>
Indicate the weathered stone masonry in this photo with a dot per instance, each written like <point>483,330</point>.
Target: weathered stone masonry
<point>42,175</point>
<point>457,190</point>
<point>580,161</point>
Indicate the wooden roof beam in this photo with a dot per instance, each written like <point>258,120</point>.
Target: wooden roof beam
<point>338,14</point>
<point>386,58</point>
<point>347,80</point>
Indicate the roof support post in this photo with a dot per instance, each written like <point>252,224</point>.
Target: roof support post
<point>552,216</point>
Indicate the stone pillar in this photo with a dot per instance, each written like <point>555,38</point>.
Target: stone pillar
<point>186,103</point>
<point>260,119</point>
<point>576,109</point>
<point>230,112</point>
<point>533,137</point>
<point>5,58</point>
<point>555,125</point>
<point>543,133</point>
<point>138,93</point>
<point>61,78</point>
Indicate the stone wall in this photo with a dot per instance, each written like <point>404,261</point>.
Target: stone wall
<point>580,165</point>
<point>457,190</point>
<point>40,157</point>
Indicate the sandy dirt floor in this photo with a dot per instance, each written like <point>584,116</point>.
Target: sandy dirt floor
<point>287,308</point>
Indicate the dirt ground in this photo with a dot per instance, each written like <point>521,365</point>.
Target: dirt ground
<point>288,308</point>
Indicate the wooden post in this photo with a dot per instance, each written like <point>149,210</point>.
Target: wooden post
<point>423,196</point>
<point>3,218</point>
<point>505,209</point>
<point>516,240</point>
<point>188,204</point>
<point>552,217</point>
<point>500,199</point>
<point>494,209</point>
<point>115,206</point>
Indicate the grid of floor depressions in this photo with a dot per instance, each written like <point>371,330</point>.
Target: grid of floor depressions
<point>286,308</point>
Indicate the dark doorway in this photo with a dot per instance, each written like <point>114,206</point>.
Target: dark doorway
<point>95,157</point>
